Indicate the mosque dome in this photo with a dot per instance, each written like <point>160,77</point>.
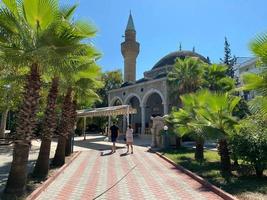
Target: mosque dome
<point>171,57</point>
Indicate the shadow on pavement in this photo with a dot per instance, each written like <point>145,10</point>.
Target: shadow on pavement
<point>124,154</point>
<point>95,143</point>
<point>106,154</point>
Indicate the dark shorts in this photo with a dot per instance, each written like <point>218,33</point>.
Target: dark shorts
<point>113,139</point>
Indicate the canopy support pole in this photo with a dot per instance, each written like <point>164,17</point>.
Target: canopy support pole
<point>109,124</point>
<point>128,123</point>
<point>84,127</point>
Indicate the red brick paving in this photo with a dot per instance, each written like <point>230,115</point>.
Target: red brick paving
<point>148,177</point>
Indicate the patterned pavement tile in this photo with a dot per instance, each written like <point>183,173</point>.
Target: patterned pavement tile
<point>99,175</point>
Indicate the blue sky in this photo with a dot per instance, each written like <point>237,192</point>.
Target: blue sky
<point>162,24</point>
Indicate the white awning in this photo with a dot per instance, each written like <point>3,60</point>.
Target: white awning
<point>107,111</point>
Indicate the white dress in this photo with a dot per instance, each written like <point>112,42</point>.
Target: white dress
<point>129,135</point>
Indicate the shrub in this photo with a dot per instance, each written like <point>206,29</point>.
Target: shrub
<point>249,143</point>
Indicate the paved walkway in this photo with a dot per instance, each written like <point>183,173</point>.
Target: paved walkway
<point>97,174</point>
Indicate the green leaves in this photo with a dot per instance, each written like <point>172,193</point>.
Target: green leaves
<point>40,14</point>
<point>205,112</point>
<point>186,75</point>
<point>215,78</point>
<point>257,82</point>
<point>67,11</point>
<point>259,47</point>
<point>12,6</point>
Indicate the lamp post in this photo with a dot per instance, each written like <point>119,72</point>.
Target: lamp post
<point>165,137</point>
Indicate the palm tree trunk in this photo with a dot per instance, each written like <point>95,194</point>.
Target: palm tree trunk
<point>26,123</point>
<point>225,157</point>
<point>199,155</point>
<point>3,123</point>
<point>49,125</point>
<point>59,158</point>
<point>17,178</point>
<point>68,145</point>
<point>72,125</point>
<point>63,130</point>
<point>71,128</point>
<point>41,167</point>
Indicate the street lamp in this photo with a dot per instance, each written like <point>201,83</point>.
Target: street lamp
<point>165,128</point>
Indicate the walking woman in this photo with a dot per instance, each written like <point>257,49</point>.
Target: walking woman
<point>129,139</point>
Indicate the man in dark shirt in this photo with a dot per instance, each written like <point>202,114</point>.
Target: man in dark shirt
<point>114,134</point>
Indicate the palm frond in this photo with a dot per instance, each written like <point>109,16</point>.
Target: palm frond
<point>12,6</point>
<point>40,14</point>
<point>67,11</point>
<point>257,82</point>
<point>259,47</point>
<point>259,105</point>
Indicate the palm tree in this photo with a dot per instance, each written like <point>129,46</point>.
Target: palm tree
<point>81,89</point>
<point>185,121</point>
<point>215,78</point>
<point>32,34</point>
<point>186,76</point>
<point>216,115</point>
<point>82,54</point>
<point>210,113</point>
<point>258,82</point>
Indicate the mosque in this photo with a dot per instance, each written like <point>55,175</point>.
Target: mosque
<point>150,94</point>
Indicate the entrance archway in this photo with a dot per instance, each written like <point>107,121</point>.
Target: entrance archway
<point>153,105</point>
<point>135,120</point>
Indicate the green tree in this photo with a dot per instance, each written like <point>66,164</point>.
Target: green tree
<point>249,142</point>
<point>212,112</point>
<point>185,77</point>
<point>80,88</point>
<point>112,80</point>
<point>82,54</point>
<point>185,122</point>
<point>258,82</point>
<point>228,60</point>
<point>32,34</point>
<point>215,78</point>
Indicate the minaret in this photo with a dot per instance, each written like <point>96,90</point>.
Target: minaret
<point>130,51</point>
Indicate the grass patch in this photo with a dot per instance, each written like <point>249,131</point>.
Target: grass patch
<point>245,187</point>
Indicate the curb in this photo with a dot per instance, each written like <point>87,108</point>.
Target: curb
<point>199,179</point>
<point>40,189</point>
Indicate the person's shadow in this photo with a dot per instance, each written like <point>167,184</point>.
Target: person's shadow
<point>124,154</point>
<point>106,154</point>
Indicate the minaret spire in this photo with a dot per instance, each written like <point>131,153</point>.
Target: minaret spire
<point>130,51</point>
<point>130,24</point>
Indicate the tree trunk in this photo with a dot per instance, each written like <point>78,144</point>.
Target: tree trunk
<point>259,170</point>
<point>26,123</point>
<point>63,129</point>
<point>17,178</point>
<point>49,125</point>
<point>59,158</point>
<point>225,157</point>
<point>71,128</point>
<point>178,141</point>
<point>199,155</point>
<point>42,164</point>
<point>3,123</point>
<point>68,145</point>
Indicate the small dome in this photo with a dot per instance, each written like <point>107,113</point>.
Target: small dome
<point>170,58</point>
